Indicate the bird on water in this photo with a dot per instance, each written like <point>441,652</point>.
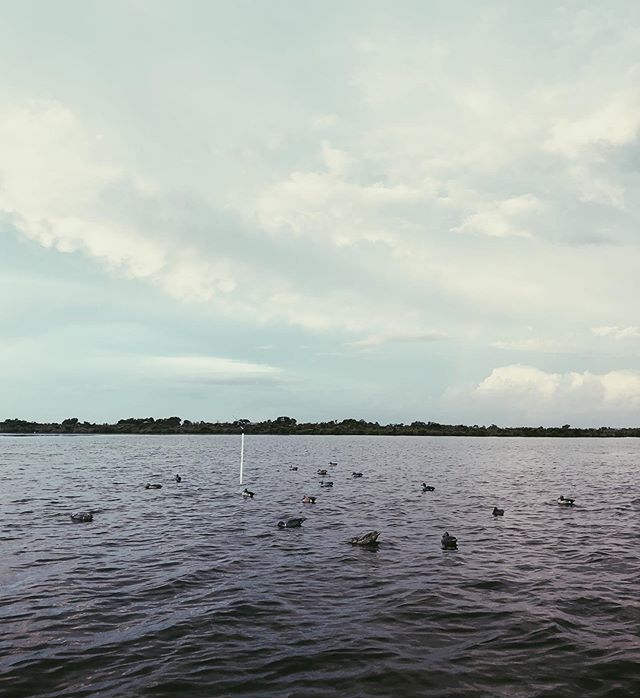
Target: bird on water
<point>370,538</point>
<point>306,499</point>
<point>324,483</point>
<point>449,542</point>
<point>154,486</point>
<point>82,517</point>
<point>565,501</point>
<point>247,493</point>
<point>427,488</point>
<point>291,523</point>
<point>178,478</point>
<point>497,512</point>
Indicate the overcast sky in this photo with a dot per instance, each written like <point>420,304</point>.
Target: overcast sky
<point>386,210</point>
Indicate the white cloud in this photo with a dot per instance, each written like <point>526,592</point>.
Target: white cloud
<point>531,389</point>
<point>532,345</point>
<point>507,218</point>
<point>612,125</point>
<point>630,332</point>
<point>210,369</point>
<point>374,340</point>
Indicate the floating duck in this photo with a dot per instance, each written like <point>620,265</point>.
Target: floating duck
<point>322,472</point>
<point>427,488</point>
<point>82,517</point>
<point>154,486</point>
<point>178,478</point>
<point>354,474</point>
<point>497,512</point>
<point>291,523</point>
<point>247,493</point>
<point>293,467</point>
<point>333,462</point>
<point>449,542</point>
<point>370,538</point>
<point>565,501</point>
<point>308,500</point>
<point>326,484</point>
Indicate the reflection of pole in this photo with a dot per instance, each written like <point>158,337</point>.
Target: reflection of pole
<point>241,455</point>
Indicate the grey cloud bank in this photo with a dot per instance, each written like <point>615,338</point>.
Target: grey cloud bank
<point>419,212</point>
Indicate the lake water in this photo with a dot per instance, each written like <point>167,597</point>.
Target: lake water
<point>192,590</point>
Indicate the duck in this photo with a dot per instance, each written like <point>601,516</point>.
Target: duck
<point>449,542</point>
<point>370,538</point>
<point>306,499</point>
<point>427,488</point>
<point>82,517</point>
<point>154,486</point>
<point>291,523</point>
<point>333,462</point>
<point>322,472</point>
<point>565,501</point>
<point>497,512</point>
<point>293,467</point>
<point>326,484</point>
<point>354,474</point>
<point>178,478</point>
<point>247,493</point>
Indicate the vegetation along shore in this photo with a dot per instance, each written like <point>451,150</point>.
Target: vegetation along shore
<point>289,425</point>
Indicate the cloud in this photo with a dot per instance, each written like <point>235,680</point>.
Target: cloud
<point>505,218</point>
<point>532,389</point>
<point>630,332</point>
<point>613,125</point>
<point>532,345</point>
<point>375,340</point>
<point>330,207</point>
<point>209,369</point>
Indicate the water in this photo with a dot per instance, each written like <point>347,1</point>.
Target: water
<point>193,590</point>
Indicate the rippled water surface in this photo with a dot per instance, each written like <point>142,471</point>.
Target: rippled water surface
<point>191,589</point>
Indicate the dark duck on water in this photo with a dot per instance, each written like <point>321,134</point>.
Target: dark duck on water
<point>565,501</point>
<point>154,486</point>
<point>291,523</point>
<point>82,517</point>
<point>247,493</point>
<point>368,539</point>
<point>449,542</point>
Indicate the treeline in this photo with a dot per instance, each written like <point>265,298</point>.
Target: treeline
<point>288,425</point>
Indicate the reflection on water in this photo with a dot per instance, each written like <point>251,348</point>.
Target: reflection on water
<point>193,588</point>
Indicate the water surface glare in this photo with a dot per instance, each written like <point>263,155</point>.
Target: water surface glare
<point>192,589</point>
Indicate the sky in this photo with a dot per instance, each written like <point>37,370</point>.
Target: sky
<point>357,209</point>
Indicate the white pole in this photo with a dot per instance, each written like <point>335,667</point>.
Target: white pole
<point>241,456</point>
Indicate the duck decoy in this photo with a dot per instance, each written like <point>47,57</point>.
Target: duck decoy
<point>154,486</point>
<point>497,512</point>
<point>293,467</point>
<point>333,462</point>
<point>82,517</point>
<point>326,484</point>
<point>291,523</point>
<point>306,499</point>
<point>178,478</point>
<point>427,488</point>
<point>247,493</point>
<point>322,472</point>
<point>565,501</point>
<point>449,542</point>
<point>370,538</point>
<point>354,474</point>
